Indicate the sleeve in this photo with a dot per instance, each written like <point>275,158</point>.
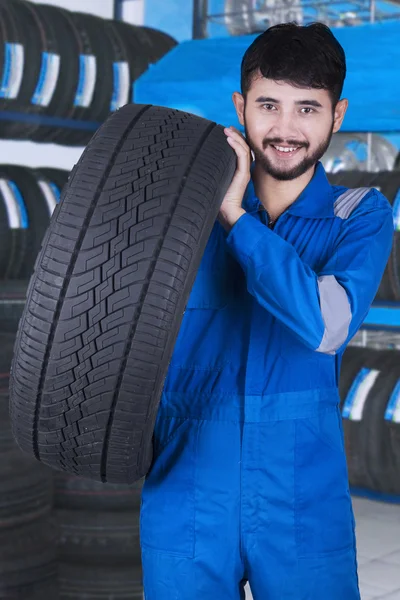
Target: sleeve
<point>323,309</point>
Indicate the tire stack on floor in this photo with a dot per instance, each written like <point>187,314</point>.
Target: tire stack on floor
<point>96,525</point>
<point>370,405</point>
<point>28,568</point>
<point>64,72</point>
<point>98,539</point>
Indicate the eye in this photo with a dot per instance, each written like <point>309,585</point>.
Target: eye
<point>268,107</point>
<point>311,110</point>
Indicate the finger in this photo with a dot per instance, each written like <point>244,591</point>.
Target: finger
<point>240,148</point>
<point>239,139</point>
<point>236,135</point>
<point>234,132</point>
<point>242,154</point>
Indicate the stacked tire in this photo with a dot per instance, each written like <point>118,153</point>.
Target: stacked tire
<point>388,182</point>
<point>64,72</point>
<point>28,198</point>
<point>370,405</point>
<point>28,568</point>
<point>98,539</point>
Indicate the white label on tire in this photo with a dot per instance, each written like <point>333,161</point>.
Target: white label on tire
<point>392,412</point>
<point>48,78</point>
<point>49,196</point>
<point>87,80</point>
<point>13,70</point>
<point>14,203</point>
<point>396,211</point>
<point>120,95</point>
<point>358,394</point>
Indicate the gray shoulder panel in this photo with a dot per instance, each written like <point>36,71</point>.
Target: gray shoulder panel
<point>348,201</point>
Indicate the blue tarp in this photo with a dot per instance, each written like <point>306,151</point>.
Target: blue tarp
<point>200,76</point>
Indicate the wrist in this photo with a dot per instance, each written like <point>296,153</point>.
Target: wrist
<point>228,218</point>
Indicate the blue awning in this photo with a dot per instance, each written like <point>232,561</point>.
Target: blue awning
<point>200,76</point>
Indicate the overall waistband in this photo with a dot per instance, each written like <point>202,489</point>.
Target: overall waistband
<point>249,409</point>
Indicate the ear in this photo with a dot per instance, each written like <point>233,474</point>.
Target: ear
<point>340,111</point>
<point>239,102</point>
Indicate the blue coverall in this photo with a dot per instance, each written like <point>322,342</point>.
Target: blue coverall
<point>249,478</point>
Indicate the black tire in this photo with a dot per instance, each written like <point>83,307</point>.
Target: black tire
<point>352,360</point>
<point>70,47</point>
<point>12,302</point>
<point>66,44</point>
<point>136,48</point>
<point>26,490</point>
<point>57,177</point>
<point>93,42</point>
<point>20,27</point>
<point>393,432</point>
<point>161,43</point>
<point>14,227</point>
<point>49,89</point>
<point>81,582</point>
<point>76,493</point>
<point>145,46</point>
<point>389,183</point>
<point>98,538</point>
<point>385,292</point>
<point>28,568</point>
<point>355,430</point>
<point>126,53</point>
<point>7,341</point>
<point>38,213</point>
<point>382,472</point>
<point>93,30</point>
<point>142,156</point>
<point>6,438</point>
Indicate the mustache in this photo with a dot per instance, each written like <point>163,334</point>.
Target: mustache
<point>280,141</point>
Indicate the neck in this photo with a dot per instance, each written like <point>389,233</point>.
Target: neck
<point>276,196</point>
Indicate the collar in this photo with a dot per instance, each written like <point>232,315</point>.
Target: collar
<point>315,201</point>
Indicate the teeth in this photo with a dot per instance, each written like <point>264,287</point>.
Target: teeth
<point>282,149</point>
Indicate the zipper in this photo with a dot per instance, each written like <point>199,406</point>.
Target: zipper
<point>266,219</point>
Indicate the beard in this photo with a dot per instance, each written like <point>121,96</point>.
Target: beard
<point>285,173</point>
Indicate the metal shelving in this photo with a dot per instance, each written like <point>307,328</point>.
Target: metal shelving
<point>252,16</point>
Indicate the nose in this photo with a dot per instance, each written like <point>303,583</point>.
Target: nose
<point>284,127</point>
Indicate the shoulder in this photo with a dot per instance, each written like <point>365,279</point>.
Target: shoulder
<point>354,202</point>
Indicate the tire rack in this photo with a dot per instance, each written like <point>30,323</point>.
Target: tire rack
<point>380,330</point>
<point>74,129</point>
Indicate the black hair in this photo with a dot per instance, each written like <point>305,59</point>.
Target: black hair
<point>305,56</point>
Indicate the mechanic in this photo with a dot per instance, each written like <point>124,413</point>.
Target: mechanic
<point>249,479</point>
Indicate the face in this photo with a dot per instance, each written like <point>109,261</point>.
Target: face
<point>288,128</point>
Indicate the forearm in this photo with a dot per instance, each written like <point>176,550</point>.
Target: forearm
<point>278,279</point>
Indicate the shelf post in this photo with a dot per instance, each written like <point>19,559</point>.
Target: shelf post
<point>200,19</point>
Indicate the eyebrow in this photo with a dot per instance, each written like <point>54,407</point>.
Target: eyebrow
<point>264,99</point>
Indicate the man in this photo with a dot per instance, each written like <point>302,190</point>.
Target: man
<point>249,479</point>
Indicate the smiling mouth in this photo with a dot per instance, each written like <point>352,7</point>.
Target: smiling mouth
<point>286,151</point>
